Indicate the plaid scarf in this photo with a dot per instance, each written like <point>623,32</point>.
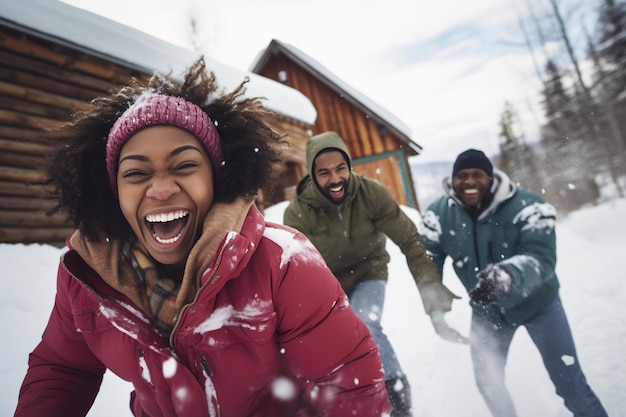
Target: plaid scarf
<point>157,290</point>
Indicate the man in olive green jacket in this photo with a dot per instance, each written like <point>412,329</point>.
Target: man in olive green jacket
<point>348,218</point>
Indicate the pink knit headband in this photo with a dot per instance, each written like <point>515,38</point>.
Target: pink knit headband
<point>161,109</point>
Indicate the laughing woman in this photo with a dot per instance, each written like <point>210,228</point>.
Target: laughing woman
<point>174,281</point>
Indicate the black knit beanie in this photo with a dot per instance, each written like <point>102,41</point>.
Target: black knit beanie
<point>472,158</point>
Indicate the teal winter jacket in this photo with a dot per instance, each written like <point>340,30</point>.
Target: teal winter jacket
<point>516,232</point>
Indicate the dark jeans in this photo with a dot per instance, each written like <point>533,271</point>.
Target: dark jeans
<point>550,332</point>
<point>367,300</point>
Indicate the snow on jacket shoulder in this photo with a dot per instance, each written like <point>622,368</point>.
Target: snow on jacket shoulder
<point>276,339</point>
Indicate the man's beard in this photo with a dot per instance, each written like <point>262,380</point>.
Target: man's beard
<point>329,195</point>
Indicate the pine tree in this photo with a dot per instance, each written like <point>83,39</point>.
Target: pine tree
<point>609,57</point>
<point>517,159</point>
<point>612,43</point>
<point>565,141</point>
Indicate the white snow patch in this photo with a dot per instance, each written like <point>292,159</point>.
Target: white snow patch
<point>169,367</point>
<point>211,395</point>
<point>145,372</point>
<point>135,312</point>
<point>182,393</point>
<point>112,315</point>
<point>519,261</point>
<point>398,386</point>
<point>537,216</point>
<point>431,228</point>
<point>293,248</point>
<point>283,389</point>
<point>224,316</point>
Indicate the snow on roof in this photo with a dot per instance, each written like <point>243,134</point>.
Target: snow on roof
<point>129,46</point>
<point>348,91</point>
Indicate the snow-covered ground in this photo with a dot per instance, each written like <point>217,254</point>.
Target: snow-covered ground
<point>590,242</point>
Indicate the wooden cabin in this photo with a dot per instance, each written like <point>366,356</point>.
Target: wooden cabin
<point>379,143</point>
<point>54,58</point>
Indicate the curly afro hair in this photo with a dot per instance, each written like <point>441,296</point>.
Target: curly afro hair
<point>77,170</point>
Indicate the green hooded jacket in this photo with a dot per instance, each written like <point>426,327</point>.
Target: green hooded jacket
<point>352,236</point>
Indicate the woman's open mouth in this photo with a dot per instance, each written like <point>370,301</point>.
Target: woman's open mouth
<point>167,228</point>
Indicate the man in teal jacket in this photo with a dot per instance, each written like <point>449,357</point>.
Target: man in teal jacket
<point>502,243</point>
<point>348,218</point>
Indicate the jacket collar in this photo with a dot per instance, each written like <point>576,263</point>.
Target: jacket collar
<point>237,226</point>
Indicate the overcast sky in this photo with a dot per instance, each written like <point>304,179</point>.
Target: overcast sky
<point>445,68</point>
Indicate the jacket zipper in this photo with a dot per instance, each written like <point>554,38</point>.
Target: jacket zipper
<point>490,257</point>
<point>205,366</point>
<point>186,306</point>
<point>476,251</point>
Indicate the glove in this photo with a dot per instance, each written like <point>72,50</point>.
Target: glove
<point>493,283</point>
<point>444,331</point>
